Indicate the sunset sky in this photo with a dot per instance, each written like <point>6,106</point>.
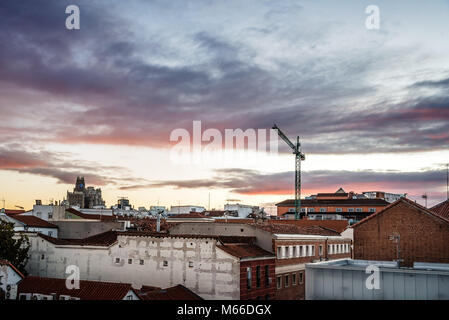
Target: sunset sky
<point>371,106</point>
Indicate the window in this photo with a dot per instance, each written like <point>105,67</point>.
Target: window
<point>141,262</point>
<point>320,250</point>
<point>165,263</point>
<point>129,297</point>
<point>307,251</point>
<point>350,209</point>
<point>303,209</point>
<point>267,275</point>
<point>311,209</point>
<point>329,249</point>
<point>248,278</point>
<point>258,276</point>
<point>50,233</point>
<point>190,264</point>
<point>279,254</point>
<point>301,251</point>
<point>359,210</point>
<point>372,209</point>
<point>322,209</point>
<point>287,283</point>
<point>294,279</point>
<point>339,210</point>
<point>312,251</point>
<point>279,282</point>
<point>43,257</point>
<point>117,260</point>
<point>130,261</point>
<point>301,277</point>
<point>294,251</point>
<point>50,215</point>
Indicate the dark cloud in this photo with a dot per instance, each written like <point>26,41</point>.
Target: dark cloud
<point>127,96</point>
<point>250,182</point>
<point>55,165</point>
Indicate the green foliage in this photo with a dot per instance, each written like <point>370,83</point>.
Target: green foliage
<point>13,247</point>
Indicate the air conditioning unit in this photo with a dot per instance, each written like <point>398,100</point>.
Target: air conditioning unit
<point>36,296</point>
<point>11,292</point>
<point>63,297</point>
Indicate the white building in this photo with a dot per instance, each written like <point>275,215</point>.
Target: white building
<point>200,263</point>
<point>185,209</point>
<point>243,210</point>
<point>30,223</point>
<point>389,197</point>
<point>9,278</point>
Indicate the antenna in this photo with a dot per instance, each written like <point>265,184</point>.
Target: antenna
<point>424,196</point>
<point>4,203</point>
<point>447,181</point>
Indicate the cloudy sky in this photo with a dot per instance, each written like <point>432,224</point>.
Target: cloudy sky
<point>371,106</point>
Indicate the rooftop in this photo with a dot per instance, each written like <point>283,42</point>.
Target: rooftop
<point>89,290</point>
<point>337,202</point>
<point>32,221</point>
<point>178,292</point>
<point>9,264</point>
<point>442,209</point>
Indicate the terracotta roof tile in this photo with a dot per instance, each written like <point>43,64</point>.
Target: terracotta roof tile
<point>336,225</point>
<point>89,290</point>
<point>7,263</point>
<point>442,209</point>
<point>337,202</point>
<point>245,251</point>
<point>102,239</point>
<point>32,221</point>
<point>102,217</point>
<point>178,292</point>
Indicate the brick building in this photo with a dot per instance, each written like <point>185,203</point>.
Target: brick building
<point>420,234</point>
<point>350,206</point>
<point>294,246</point>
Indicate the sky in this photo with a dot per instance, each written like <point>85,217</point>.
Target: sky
<point>371,107</point>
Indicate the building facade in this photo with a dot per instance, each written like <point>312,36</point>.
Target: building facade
<point>209,266</point>
<point>404,231</point>
<point>85,197</point>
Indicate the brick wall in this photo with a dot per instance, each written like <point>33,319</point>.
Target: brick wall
<point>265,291</point>
<point>423,237</point>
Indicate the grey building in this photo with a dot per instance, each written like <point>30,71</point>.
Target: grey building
<point>348,279</point>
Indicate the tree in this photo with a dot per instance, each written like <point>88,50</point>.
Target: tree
<point>13,247</point>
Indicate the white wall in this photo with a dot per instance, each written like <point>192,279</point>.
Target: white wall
<point>214,275</point>
<point>8,277</point>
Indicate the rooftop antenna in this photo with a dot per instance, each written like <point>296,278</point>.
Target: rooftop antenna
<point>209,201</point>
<point>447,181</point>
<point>424,196</point>
<point>397,239</point>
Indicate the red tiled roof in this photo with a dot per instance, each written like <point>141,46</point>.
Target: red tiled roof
<point>7,263</point>
<point>274,227</point>
<point>245,251</point>
<point>102,217</point>
<point>102,239</point>
<point>442,209</point>
<point>337,225</point>
<point>406,201</point>
<point>336,202</point>
<point>178,292</point>
<point>13,211</point>
<point>89,290</point>
<point>32,221</point>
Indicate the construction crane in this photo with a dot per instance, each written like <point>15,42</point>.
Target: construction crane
<point>299,156</point>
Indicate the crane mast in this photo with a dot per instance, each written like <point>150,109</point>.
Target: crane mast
<point>299,156</point>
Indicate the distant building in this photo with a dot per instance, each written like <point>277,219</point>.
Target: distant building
<point>185,209</point>
<point>346,279</point>
<point>85,197</point>
<point>404,230</point>
<point>242,210</point>
<point>333,206</point>
<point>389,197</point>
